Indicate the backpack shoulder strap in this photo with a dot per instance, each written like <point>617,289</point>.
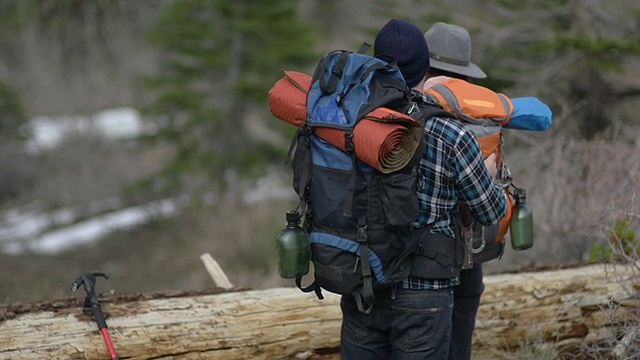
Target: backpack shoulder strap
<point>429,111</point>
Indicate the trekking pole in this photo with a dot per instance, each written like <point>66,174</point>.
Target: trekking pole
<point>92,306</point>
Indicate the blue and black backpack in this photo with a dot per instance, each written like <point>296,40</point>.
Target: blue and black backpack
<point>359,219</point>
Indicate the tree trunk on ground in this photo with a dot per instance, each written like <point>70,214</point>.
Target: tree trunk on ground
<point>557,310</point>
<point>565,311</point>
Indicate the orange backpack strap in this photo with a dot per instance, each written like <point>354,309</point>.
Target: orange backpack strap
<point>472,103</point>
<point>506,220</point>
<point>489,138</point>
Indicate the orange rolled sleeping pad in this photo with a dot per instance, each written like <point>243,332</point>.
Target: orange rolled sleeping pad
<point>384,139</point>
<point>288,97</point>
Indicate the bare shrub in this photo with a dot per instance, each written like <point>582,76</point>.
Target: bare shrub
<point>575,188</point>
<point>585,199</point>
<point>621,247</point>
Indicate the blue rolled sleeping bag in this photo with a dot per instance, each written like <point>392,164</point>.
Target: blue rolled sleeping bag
<point>529,113</point>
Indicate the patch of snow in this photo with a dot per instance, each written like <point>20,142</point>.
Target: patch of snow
<point>27,236</point>
<point>17,224</point>
<point>117,123</point>
<point>30,221</point>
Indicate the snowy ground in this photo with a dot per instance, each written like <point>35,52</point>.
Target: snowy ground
<point>26,229</point>
<point>119,123</point>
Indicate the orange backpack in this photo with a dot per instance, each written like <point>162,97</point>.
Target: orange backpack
<point>484,112</point>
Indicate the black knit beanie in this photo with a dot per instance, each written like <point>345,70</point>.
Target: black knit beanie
<point>405,43</point>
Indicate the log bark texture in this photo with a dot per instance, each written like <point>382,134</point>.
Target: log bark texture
<point>558,313</point>
<point>554,310</point>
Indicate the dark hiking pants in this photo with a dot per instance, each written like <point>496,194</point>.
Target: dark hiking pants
<point>466,299</point>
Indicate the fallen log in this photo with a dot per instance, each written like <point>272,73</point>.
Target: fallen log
<point>555,309</point>
<point>562,313</point>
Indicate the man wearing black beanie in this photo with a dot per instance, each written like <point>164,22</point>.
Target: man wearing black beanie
<point>404,43</point>
<point>413,320</point>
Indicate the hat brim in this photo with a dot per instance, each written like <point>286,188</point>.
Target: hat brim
<point>471,70</point>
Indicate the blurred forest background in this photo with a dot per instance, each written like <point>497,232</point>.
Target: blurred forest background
<point>198,73</point>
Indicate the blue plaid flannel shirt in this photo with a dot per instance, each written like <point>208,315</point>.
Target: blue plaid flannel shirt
<point>453,170</point>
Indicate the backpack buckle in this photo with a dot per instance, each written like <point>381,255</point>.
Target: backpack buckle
<point>349,148</point>
<point>362,233</point>
<point>504,177</point>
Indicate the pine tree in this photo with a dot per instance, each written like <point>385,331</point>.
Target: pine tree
<point>221,58</point>
<point>571,53</point>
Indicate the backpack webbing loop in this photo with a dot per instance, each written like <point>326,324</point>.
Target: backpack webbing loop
<point>313,287</point>
<point>361,307</point>
<point>336,72</point>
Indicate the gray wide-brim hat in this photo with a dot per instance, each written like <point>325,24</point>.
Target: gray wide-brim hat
<point>450,50</point>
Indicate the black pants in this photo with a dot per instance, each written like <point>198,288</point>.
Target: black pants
<point>466,299</point>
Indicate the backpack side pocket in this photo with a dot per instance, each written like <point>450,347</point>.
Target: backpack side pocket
<point>399,202</point>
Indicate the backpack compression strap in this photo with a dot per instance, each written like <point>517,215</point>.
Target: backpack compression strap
<point>304,139</point>
<point>351,187</point>
<point>366,294</point>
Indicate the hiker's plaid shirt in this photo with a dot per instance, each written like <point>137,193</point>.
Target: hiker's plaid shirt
<point>453,170</point>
